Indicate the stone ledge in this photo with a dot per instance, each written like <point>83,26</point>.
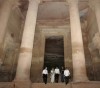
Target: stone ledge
<point>92,84</point>
<point>22,84</point>
<point>6,85</point>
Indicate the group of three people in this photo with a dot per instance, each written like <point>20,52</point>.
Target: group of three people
<point>54,75</point>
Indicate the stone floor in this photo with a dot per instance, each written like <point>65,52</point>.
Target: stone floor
<point>51,85</point>
<point>92,84</point>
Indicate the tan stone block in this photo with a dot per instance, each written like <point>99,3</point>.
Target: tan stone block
<point>22,84</point>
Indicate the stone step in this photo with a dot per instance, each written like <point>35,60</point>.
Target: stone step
<point>51,85</point>
<point>88,84</point>
<point>6,85</point>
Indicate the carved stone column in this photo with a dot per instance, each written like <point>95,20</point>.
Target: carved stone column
<point>78,57</point>
<point>95,5</point>
<point>25,56</point>
<point>4,17</point>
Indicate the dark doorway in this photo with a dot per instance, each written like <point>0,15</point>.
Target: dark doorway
<point>54,52</point>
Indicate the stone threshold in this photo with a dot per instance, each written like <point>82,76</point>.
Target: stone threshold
<point>89,84</point>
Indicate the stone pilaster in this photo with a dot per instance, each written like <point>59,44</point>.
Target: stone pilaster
<point>4,17</point>
<point>95,5</point>
<point>25,56</point>
<point>78,57</point>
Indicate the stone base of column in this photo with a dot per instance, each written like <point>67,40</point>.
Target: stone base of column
<point>80,79</point>
<point>22,84</point>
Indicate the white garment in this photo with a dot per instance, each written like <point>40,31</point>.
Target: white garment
<point>66,72</point>
<point>57,71</point>
<point>45,71</point>
<point>52,76</point>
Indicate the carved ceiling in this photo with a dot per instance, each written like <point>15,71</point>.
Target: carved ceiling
<point>54,9</point>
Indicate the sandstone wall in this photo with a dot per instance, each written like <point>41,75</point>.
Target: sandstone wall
<point>42,32</point>
<point>92,29</point>
<point>11,45</point>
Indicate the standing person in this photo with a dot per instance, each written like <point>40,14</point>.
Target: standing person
<point>52,75</point>
<point>45,74</point>
<point>57,72</point>
<point>62,74</point>
<point>66,75</point>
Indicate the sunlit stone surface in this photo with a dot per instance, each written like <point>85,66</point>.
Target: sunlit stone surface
<point>38,33</point>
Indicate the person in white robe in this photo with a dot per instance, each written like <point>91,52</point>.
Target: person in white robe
<point>52,75</point>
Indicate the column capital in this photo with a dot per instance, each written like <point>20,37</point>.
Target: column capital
<point>72,1</point>
<point>36,1</point>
